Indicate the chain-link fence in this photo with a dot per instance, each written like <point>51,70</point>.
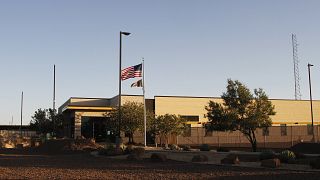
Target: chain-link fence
<point>272,137</point>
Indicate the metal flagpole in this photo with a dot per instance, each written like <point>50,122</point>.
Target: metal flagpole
<point>54,100</point>
<point>21,113</point>
<point>144,105</point>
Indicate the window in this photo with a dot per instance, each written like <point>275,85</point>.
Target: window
<point>283,129</point>
<point>309,129</point>
<point>265,131</point>
<point>191,118</point>
<point>187,132</point>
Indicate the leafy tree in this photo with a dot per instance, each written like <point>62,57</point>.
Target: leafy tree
<point>241,110</point>
<point>42,121</point>
<point>131,119</point>
<point>167,124</point>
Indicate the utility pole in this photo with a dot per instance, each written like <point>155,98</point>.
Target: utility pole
<point>309,65</point>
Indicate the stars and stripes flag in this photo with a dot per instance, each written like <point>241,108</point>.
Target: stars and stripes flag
<point>131,72</point>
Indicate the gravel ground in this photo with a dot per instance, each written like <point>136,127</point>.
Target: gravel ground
<point>83,166</point>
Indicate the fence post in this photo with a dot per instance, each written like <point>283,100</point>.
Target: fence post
<point>218,139</point>
<point>239,142</point>
<point>291,136</point>
<point>318,133</point>
<point>198,136</point>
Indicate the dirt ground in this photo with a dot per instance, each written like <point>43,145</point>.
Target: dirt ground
<point>19,164</point>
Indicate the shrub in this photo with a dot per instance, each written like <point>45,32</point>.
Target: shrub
<point>268,154</point>
<point>110,150</point>
<point>129,149</point>
<point>286,156</point>
<point>158,157</point>
<point>133,157</point>
<point>174,147</point>
<point>186,148</point>
<point>222,149</point>
<point>123,147</point>
<point>300,155</point>
<point>205,147</point>
<point>271,163</point>
<point>199,158</point>
<point>315,164</point>
<point>139,151</point>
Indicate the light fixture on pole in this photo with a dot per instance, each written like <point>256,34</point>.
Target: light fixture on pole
<point>309,65</point>
<point>118,139</point>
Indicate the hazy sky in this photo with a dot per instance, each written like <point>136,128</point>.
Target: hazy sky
<point>190,48</point>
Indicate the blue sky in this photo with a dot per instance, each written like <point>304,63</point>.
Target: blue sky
<point>190,48</point>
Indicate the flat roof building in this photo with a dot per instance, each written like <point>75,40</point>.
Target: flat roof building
<point>85,116</point>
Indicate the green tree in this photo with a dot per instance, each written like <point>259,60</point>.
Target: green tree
<point>42,121</point>
<point>167,124</point>
<point>241,110</point>
<point>131,119</point>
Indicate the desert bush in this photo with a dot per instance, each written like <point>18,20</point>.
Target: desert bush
<point>174,147</point>
<point>139,151</point>
<point>110,150</point>
<point>158,157</point>
<point>123,147</point>
<point>271,163</point>
<point>300,155</point>
<point>230,159</point>
<point>268,154</point>
<point>287,156</point>
<point>200,158</point>
<point>315,164</point>
<point>205,147</point>
<point>186,148</point>
<point>129,149</point>
<point>134,157</point>
<point>222,149</point>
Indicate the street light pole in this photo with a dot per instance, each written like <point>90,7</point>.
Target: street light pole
<point>118,140</point>
<point>309,65</point>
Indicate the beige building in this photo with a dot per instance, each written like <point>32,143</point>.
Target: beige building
<point>85,117</point>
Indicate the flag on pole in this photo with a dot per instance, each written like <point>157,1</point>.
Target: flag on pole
<point>137,83</point>
<point>131,72</point>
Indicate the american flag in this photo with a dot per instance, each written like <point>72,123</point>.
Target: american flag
<point>131,72</point>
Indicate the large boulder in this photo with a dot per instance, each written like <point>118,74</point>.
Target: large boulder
<point>271,163</point>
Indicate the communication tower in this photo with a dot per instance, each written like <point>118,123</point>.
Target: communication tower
<point>297,93</point>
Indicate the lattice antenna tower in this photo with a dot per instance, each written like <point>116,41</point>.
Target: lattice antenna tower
<point>297,94</point>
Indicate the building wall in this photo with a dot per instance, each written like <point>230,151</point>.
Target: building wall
<point>287,111</point>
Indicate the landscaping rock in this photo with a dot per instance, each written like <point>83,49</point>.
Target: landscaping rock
<point>158,157</point>
<point>200,158</point>
<point>271,163</point>
<point>231,159</point>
